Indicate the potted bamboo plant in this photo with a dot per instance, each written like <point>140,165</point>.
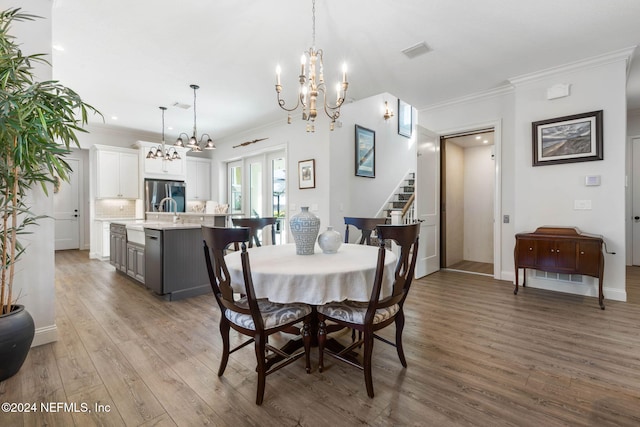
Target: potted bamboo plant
<point>38,125</point>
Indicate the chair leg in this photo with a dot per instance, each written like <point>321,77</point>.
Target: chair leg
<point>260,356</point>
<point>368,350</point>
<point>224,333</point>
<point>399,328</point>
<point>322,338</point>
<point>306,340</point>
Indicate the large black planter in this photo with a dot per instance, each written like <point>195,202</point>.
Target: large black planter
<point>16,334</point>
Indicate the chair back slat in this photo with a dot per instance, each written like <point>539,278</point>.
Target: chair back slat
<point>406,237</point>
<point>216,242</point>
<point>255,225</point>
<point>365,225</point>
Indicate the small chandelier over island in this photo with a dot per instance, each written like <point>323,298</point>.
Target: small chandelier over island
<point>193,142</point>
<point>161,152</point>
<point>312,85</point>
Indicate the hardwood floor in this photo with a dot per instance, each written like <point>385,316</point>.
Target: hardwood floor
<point>476,353</point>
<point>473,267</point>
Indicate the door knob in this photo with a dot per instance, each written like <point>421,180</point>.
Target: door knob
<point>637,218</point>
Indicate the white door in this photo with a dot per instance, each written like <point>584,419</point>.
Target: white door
<point>66,210</point>
<point>428,202</point>
<point>636,201</point>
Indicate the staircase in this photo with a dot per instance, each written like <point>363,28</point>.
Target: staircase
<point>402,200</point>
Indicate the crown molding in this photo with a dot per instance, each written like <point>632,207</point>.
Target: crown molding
<point>486,94</point>
<point>594,61</point>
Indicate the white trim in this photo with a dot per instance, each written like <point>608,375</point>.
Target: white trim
<point>45,335</point>
<point>486,94</point>
<point>496,125</point>
<point>595,61</point>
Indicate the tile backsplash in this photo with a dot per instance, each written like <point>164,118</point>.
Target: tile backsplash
<point>115,208</point>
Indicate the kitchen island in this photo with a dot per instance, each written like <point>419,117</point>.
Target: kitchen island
<point>163,255</point>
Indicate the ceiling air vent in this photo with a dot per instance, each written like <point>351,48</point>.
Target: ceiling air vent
<point>181,105</point>
<point>416,50</point>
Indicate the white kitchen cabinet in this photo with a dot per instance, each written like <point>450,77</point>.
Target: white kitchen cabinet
<point>198,179</point>
<point>116,173</point>
<point>163,169</point>
<point>100,244</point>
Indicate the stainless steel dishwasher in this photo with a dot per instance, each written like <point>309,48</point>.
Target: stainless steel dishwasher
<point>153,260</point>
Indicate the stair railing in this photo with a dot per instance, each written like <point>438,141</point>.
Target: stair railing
<point>382,212</point>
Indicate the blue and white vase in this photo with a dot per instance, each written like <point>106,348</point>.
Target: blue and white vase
<point>330,241</point>
<point>304,227</point>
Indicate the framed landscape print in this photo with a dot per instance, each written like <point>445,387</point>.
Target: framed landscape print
<point>365,152</point>
<point>307,174</point>
<point>405,122</point>
<point>568,139</point>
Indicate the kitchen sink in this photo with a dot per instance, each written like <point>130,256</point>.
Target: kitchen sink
<point>135,234</point>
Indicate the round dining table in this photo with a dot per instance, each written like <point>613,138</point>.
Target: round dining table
<point>282,276</point>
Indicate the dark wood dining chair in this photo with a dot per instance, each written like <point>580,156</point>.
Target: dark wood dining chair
<point>378,313</point>
<point>256,318</point>
<point>255,225</point>
<point>365,225</point>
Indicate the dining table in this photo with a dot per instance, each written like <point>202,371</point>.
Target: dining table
<point>282,276</point>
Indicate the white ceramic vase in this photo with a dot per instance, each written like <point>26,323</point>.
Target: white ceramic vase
<point>304,227</point>
<point>330,240</point>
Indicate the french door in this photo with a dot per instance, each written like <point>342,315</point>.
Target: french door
<point>258,188</point>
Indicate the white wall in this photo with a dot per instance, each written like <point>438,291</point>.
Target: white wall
<point>395,155</point>
<point>338,191</point>
<point>479,175</point>
<point>34,279</point>
<point>633,130</point>
<point>546,194</point>
<point>454,233</point>
<point>536,196</point>
<point>491,109</point>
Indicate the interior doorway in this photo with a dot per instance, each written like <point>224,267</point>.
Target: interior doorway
<point>468,188</point>
<point>66,208</point>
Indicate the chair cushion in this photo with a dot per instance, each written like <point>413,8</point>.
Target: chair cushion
<point>354,312</point>
<point>273,314</point>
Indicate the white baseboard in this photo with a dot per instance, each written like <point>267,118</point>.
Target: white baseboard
<point>45,335</point>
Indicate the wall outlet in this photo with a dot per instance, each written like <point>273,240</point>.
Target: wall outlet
<point>582,205</point>
<point>505,219</point>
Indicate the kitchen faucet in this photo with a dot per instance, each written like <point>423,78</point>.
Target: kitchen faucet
<point>170,199</point>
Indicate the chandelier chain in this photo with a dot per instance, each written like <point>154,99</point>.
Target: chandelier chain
<point>313,14</point>
<point>195,132</point>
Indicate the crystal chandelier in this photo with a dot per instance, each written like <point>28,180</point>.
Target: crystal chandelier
<point>160,152</point>
<point>312,84</point>
<point>193,142</point>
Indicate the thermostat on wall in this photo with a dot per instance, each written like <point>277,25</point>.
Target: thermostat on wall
<point>592,180</point>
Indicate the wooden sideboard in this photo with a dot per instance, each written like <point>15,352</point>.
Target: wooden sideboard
<point>560,250</point>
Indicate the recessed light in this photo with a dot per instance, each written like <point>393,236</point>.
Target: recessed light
<point>478,137</point>
<point>486,141</point>
<point>58,47</point>
<point>114,118</point>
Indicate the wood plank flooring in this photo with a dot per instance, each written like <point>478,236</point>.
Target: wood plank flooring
<point>473,267</point>
<point>477,355</point>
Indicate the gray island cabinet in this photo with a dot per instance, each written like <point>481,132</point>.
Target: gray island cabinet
<point>174,264</point>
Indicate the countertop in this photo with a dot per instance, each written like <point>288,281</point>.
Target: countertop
<point>141,224</point>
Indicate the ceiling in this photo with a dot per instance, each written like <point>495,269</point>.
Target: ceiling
<point>127,58</point>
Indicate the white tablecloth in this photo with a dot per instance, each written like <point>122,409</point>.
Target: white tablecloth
<point>282,276</point>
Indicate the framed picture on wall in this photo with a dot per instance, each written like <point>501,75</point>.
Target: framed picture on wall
<point>365,152</point>
<point>568,139</point>
<point>405,124</point>
<point>307,174</point>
